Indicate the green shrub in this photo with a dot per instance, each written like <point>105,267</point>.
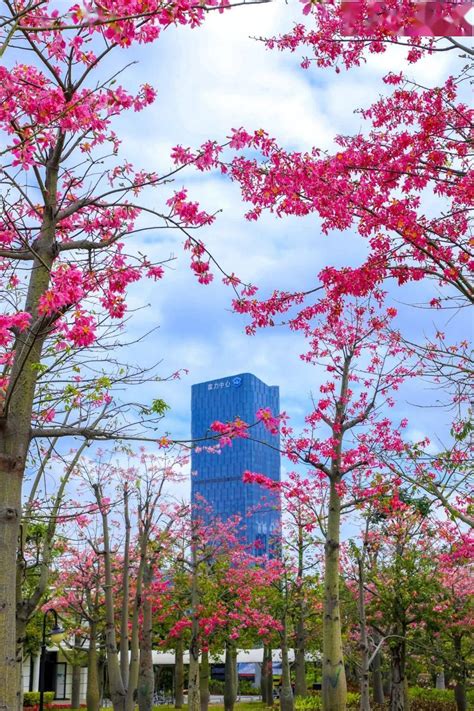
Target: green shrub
<point>216,686</point>
<point>248,688</point>
<point>314,702</point>
<point>32,698</point>
<point>423,694</point>
<point>436,699</point>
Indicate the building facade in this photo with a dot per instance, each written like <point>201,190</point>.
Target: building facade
<point>217,478</point>
<point>58,675</point>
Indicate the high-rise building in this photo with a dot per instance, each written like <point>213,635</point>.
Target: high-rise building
<point>217,478</point>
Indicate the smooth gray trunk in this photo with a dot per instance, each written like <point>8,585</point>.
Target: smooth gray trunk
<point>230,681</point>
<point>76,687</point>
<point>301,689</point>
<point>266,683</point>
<point>334,685</point>
<point>179,675</point>
<point>300,631</point>
<point>377,680</point>
<point>363,643</point>
<point>204,673</point>
<point>194,698</point>
<point>124,616</point>
<point>461,675</point>
<point>286,693</point>
<point>146,677</point>
<point>93,686</point>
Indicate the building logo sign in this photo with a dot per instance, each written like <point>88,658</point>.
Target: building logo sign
<point>221,384</point>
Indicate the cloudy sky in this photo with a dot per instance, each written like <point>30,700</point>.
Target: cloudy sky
<point>210,80</point>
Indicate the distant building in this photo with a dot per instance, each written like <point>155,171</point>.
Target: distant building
<point>218,477</point>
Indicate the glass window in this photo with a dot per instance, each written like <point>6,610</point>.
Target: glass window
<point>61,670</point>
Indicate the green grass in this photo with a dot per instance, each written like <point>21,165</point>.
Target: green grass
<point>241,706</point>
<point>246,706</point>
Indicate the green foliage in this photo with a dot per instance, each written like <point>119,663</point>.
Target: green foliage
<point>32,698</point>
<point>461,434</point>
<point>309,703</point>
<point>157,407</point>
<point>314,702</point>
<point>441,699</point>
<point>419,692</point>
<point>33,634</point>
<point>248,688</point>
<point>216,686</point>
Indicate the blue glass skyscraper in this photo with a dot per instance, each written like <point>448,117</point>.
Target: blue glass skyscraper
<point>218,477</point>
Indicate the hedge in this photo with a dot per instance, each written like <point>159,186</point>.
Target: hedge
<point>32,698</point>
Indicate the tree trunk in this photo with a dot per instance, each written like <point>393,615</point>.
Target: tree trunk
<point>15,428</point>
<point>377,681</point>
<point>300,664</point>
<point>460,696</point>
<point>118,692</point>
<point>231,679</point>
<point>334,686</point>
<point>204,681</point>
<point>146,678</point>
<point>76,686</point>
<point>397,691</point>
<point>178,675</point>
<point>124,615</point>
<point>93,686</point>
<point>286,693</point>
<point>134,666</point>
<point>460,675</point>
<point>300,632</point>
<point>364,644</point>
<point>11,474</point>
<point>20,639</point>
<point>194,700</point>
<point>266,684</point>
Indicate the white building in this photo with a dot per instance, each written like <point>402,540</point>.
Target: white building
<point>58,671</point>
<point>57,677</point>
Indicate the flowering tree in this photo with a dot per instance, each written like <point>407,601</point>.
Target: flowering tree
<point>223,601</point>
<point>300,546</point>
<point>450,626</point>
<point>40,520</point>
<point>235,610</point>
<point>414,142</point>
<point>79,598</point>
<point>122,531</point>
<point>342,33</point>
<point>401,581</point>
<point>70,205</point>
<point>145,483</point>
<point>346,436</point>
